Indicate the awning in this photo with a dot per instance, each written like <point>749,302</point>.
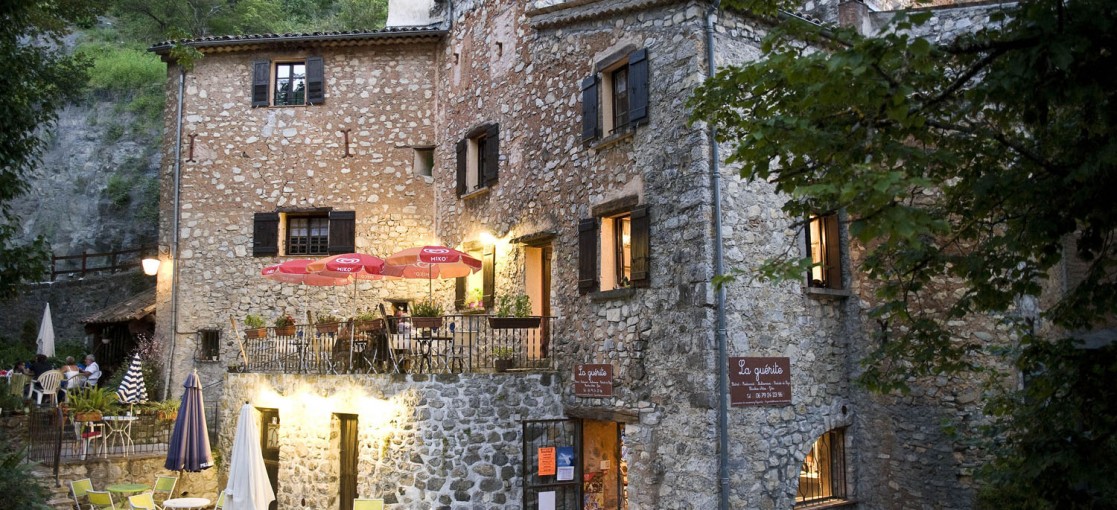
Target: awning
<point>133,308</point>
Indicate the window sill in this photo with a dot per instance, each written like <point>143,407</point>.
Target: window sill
<point>826,505</point>
<point>613,139</point>
<point>827,293</point>
<point>475,194</point>
<point>609,295</point>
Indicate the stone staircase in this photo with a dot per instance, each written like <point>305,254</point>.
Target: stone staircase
<point>58,497</point>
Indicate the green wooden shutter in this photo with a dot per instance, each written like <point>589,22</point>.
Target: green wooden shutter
<point>638,86</point>
<point>265,234</point>
<point>343,232</point>
<point>492,155</point>
<point>261,80</point>
<point>640,246</point>
<point>315,80</point>
<point>587,255</point>
<point>591,124</point>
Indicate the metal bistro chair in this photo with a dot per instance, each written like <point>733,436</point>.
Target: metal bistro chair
<point>142,502</point>
<point>100,500</point>
<point>368,504</point>
<point>220,501</point>
<point>48,383</point>
<point>164,486</point>
<point>78,489</point>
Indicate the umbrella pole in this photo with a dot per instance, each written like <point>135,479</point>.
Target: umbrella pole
<point>353,325</point>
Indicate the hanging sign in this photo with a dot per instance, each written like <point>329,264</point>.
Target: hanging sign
<point>759,381</point>
<point>593,380</point>
<point>547,461</point>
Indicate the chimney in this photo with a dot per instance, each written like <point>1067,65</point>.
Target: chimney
<point>855,14</point>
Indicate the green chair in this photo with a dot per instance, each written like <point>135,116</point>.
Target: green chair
<point>164,486</point>
<point>368,504</point>
<point>100,500</point>
<point>78,489</point>
<point>220,501</point>
<point>142,502</point>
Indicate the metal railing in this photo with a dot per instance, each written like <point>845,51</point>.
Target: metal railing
<point>55,437</point>
<point>447,344</point>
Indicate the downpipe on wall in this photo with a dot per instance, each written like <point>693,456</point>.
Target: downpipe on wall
<point>174,235</point>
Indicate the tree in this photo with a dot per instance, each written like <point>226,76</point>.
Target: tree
<point>973,163</point>
<point>39,78</point>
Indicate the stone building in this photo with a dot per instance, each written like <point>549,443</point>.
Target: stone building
<point>551,139</point>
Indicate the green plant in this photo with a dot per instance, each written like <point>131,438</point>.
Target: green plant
<point>426,308</point>
<point>284,320</point>
<point>367,315</point>
<point>503,352</point>
<point>17,485</point>
<point>326,318</point>
<point>517,305</point>
<point>253,321</point>
<point>89,400</point>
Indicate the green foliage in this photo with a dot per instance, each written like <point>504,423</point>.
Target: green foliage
<point>517,305</point>
<point>503,352</point>
<point>283,320</point>
<point>118,191</point>
<point>18,489</point>
<point>12,353</point>
<point>426,308</point>
<point>253,321</point>
<point>101,399</point>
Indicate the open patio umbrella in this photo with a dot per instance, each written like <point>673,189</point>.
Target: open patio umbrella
<point>430,262</point>
<point>132,389</point>
<point>45,341</point>
<point>248,487</point>
<point>188,449</point>
<point>358,265</point>
<point>295,271</point>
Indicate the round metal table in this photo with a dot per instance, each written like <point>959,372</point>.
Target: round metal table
<point>186,503</point>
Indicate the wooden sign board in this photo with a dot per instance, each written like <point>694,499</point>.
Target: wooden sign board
<point>593,380</point>
<point>759,381</point>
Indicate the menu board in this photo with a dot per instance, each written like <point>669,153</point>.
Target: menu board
<point>593,380</point>
<point>759,381</point>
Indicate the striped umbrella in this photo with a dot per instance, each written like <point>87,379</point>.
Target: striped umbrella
<point>132,389</point>
<point>189,446</point>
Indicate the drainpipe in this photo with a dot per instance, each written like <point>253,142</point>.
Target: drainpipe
<point>719,269</point>
<point>174,235</point>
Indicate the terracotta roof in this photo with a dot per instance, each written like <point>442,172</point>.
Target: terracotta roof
<point>133,308</point>
<point>430,31</point>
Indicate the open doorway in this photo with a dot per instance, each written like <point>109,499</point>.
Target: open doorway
<point>604,467</point>
<point>537,275</point>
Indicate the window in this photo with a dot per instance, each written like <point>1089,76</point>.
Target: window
<point>288,83</point>
<point>613,248</point>
<point>615,97</point>
<point>474,292</point>
<point>318,232</point>
<point>824,248</point>
<point>478,159</point>
<point>209,345</point>
<point>822,477</point>
<point>424,161</point>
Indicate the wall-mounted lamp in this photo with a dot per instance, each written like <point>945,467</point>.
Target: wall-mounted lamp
<point>150,265</point>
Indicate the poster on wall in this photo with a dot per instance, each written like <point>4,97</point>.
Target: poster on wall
<point>593,380</point>
<point>759,381</point>
<point>547,461</point>
<point>565,463</point>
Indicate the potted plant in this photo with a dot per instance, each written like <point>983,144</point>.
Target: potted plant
<point>166,410</point>
<point>426,314</point>
<point>92,404</point>
<point>502,358</point>
<point>368,320</point>
<point>475,304</point>
<point>254,326</point>
<point>285,325</point>
<point>514,312</point>
<point>326,323</point>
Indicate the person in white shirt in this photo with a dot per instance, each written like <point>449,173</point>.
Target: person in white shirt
<point>92,371</point>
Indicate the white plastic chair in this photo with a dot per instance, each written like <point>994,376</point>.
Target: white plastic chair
<point>48,383</point>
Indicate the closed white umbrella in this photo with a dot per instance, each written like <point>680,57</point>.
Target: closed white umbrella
<point>249,487</point>
<point>46,335</point>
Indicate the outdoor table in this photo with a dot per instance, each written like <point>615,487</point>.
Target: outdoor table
<point>127,489</point>
<point>120,427</point>
<point>186,503</point>
<point>428,352</point>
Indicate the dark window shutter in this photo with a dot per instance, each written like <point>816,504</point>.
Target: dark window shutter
<point>492,155</point>
<point>462,162</point>
<point>587,255</point>
<point>459,293</point>
<point>265,234</point>
<point>591,124</point>
<point>315,81</point>
<point>832,268</point>
<point>638,86</point>
<point>640,246</point>
<point>488,278</point>
<point>261,78</point>
<point>343,232</point>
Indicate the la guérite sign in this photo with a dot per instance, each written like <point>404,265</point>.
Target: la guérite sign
<point>759,381</point>
<point>593,380</point>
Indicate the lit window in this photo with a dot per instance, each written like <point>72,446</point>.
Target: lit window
<point>823,245</point>
<point>822,476</point>
<point>616,252</point>
<point>613,248</point>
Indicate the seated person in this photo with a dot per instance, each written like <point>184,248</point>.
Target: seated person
<point>70,372</point>
<point>92,372</point>
<point>21,368</point>
<point>40,365</point>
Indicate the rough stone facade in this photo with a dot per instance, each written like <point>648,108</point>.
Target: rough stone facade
<point>519,65</point>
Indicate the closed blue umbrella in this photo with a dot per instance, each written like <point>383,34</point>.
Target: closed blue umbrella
<point>189,446</point>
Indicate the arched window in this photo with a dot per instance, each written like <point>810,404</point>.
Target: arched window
<point>822,477</point>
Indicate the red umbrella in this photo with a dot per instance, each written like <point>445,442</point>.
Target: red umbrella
<point>431,262</point>
<point>295,271</point>
<point>357,265</point>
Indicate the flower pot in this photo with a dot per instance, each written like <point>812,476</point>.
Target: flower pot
<point>426,322</point>
<point>88,416</point>
<point>503,365</point>
<point>326,327</point>
<point>256,333</point>
<point>514,322</point>
<point>285,331</point>
<point>373,325</point>
<point>166,416</point>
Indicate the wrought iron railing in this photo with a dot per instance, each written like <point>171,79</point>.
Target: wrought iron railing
<point>56,437</point>
<point>447,344</point>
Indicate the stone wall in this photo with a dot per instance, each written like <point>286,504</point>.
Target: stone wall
<point>445,441</point>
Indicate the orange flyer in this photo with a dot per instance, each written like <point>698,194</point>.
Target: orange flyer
<point>547,461</point>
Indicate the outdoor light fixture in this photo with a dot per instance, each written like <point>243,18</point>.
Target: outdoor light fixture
<point>150,265</point>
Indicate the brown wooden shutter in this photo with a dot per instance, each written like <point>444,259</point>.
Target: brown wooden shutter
<point>591,124</point>
<point>638,86</point>
<point>261,80</point>
<point>492,155</point>
<point>640,246</point>
<point>343,232</point>
<point>832,265</point>
<point>462,162</point>
<point>488,278</point>
<point>315,80</point>
<point>265,234</point>
<point>459,293</point>
<point>587,255</point>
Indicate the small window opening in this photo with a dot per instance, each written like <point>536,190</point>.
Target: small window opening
<point>424,162</point>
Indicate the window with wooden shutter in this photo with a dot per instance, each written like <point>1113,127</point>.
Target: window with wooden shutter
<point>261,79</point>
<point>640,244</point>
<point>478,159</point>
<point>463,162</point>
<point>492,155</point>
<point>343,230</point>
<point>459,293</point>
<point>315,80</point>
<point>615,97</point>
<point>824,248</point>
<point>265,234</point>
<point>591,124</point>
<point>587,255</point>
<point>488,275</point>
<point>638,86</point>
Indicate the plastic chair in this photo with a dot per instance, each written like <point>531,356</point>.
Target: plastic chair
<point>368,504</point>
<point>164,486</point>
<point>142,502</point>
<point>47,384</point>
<point>220,501</point>
<point>78,489</point>
<point>100,500</point>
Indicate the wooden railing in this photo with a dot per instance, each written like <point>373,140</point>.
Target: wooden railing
<point>113,261</point>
